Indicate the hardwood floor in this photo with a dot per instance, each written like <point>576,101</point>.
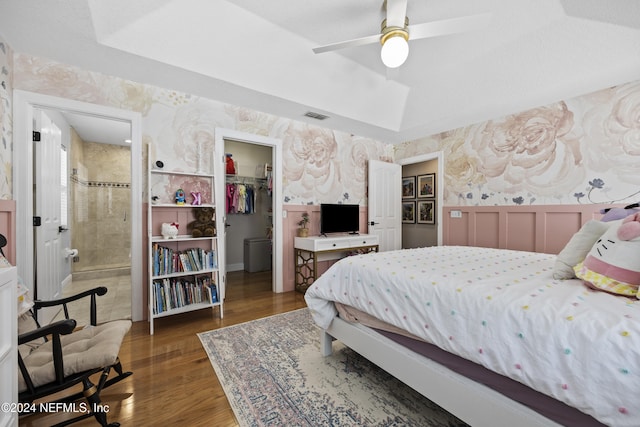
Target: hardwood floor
<point>173,382</point>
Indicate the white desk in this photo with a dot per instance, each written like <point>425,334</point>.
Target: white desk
<point>309,250</point>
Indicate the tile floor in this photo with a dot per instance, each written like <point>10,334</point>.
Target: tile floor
<point>115,304</point>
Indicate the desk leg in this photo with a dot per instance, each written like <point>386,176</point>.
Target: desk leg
<point>306,268</point>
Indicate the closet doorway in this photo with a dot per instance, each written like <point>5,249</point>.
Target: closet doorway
<point>252,230</point>
<point>249,213</point>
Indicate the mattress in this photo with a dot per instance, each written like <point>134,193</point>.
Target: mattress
<point>501,309</point>
<point>545,405</point>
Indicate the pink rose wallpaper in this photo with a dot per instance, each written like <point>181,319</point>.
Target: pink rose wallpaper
<point>581,150</point>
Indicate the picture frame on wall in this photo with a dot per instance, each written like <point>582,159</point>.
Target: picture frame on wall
<point>426,212</point>
<point>427,185</point>
<point>408,212</point>
<point>409,187</point>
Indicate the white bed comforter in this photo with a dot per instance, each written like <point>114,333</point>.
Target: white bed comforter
<point>503,310</point>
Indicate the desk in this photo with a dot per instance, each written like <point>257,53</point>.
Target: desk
<point>309,250</point>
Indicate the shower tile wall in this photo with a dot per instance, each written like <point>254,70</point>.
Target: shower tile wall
<point>101,199</point>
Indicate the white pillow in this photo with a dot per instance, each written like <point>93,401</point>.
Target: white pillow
<point>578,247</point>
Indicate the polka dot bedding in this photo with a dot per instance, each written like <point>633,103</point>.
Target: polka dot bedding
<point>503,310</point>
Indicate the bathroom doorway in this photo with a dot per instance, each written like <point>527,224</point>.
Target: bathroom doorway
<point>25,104</point>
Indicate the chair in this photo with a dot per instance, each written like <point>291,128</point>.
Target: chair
<point>55,357</point>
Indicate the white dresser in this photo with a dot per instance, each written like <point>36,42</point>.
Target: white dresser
<point>309,250</point>
<point>8,347</point>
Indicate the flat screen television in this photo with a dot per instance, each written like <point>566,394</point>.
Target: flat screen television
<point>339,218</point>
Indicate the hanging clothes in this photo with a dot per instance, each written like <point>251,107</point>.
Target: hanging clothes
<point>230,194</point>
<point>250,203</point>
<point>240,198</point>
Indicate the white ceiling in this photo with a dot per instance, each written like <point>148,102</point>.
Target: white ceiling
<point>98,129</point>
<point>257,53</point>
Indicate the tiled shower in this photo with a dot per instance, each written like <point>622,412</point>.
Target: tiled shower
<point>100,201</point>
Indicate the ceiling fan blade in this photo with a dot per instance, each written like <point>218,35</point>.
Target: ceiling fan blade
<point>396,13</point>
<point>449,26</point>
<point>347,43</point>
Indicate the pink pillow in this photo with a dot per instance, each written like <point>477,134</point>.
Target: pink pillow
<point>613,264</point>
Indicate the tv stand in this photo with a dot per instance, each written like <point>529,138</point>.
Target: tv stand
<point>309,250</point>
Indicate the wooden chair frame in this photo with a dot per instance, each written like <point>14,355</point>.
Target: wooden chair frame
<point>53,332</point>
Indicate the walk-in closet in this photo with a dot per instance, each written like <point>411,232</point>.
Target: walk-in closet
<point>249,210</point>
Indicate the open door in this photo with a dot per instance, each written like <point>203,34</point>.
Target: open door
<point>47,151</point>
<point>385,204</point>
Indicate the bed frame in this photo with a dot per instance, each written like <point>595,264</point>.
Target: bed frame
<point>474,403</point>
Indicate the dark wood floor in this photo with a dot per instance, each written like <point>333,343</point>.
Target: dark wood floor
<point>173,381</point>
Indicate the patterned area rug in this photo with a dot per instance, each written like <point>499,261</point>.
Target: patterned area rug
<point>273,375</point>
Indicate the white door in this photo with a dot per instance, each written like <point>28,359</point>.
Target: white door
<point>221,215</point>
<point>385,204</point>
<point>47,153</point>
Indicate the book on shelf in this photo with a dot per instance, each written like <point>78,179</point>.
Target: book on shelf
<point>168,261</point>
<point>172,293</point>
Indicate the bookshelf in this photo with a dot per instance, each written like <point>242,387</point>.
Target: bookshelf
<point>183,270</point>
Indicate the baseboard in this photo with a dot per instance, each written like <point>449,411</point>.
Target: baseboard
<point>67,281</point>
<point>235,267</point>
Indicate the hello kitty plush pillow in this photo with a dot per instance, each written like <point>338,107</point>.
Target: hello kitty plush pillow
<point>613,264</point>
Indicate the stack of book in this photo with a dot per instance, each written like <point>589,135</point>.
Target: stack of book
<point>172,293</point>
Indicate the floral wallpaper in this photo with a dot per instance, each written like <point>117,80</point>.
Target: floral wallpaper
<point>6,121</point>
<point>582,150</point>
<point>320,165</point>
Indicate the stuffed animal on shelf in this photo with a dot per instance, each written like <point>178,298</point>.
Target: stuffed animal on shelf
<point>204,224</point>
<point>169,230</point>
<point>180,197</point>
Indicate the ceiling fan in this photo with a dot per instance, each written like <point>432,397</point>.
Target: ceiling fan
<point>396,32</point>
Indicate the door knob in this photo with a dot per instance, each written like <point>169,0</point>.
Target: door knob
<point>373,223</point>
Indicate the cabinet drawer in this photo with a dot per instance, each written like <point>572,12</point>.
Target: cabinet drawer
<point>336,244</point>
<point>368,241</point>
<point>333,244</point>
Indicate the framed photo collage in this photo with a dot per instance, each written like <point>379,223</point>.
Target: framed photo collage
<point>418,199</point>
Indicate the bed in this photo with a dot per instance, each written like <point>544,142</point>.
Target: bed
<point>500,310</point>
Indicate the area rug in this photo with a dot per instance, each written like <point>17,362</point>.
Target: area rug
<point>273,375</point>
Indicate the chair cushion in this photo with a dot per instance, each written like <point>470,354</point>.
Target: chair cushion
<point>84,349</point>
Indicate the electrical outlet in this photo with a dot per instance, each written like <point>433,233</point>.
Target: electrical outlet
<point>76,259</point>
<point>456,214</point>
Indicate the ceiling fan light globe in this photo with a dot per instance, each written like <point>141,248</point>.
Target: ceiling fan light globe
<point>395,51</point>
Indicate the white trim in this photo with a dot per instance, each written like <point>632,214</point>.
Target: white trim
<point>23,104</point>
<point>277,167</point>
<point>436,155</point>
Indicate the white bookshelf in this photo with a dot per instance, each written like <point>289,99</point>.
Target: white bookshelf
<point>172,288</point>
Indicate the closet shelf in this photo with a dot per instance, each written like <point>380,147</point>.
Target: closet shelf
<point>164,172</point>
<point>240,179</point>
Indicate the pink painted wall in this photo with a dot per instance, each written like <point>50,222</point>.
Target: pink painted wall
<point>539,228</point>
<point>8,228</point>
